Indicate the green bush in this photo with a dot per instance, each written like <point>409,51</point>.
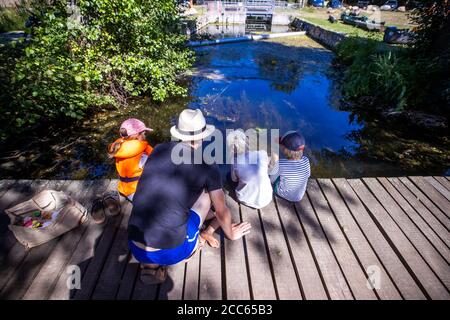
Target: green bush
<point>118,50</point>
<point>11,20</point>
<point>391,76</point>
<point>416,77</point>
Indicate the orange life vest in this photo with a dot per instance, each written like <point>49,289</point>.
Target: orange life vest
<point>128,164</point>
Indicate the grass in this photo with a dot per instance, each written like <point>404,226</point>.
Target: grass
<point>319,16</point>
<point>344,28</point>
<point>11,20</point>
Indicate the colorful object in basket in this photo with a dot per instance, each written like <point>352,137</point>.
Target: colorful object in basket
<point>38,219</point>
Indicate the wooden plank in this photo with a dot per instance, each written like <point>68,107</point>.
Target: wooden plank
<point>429,281</point>
<point>427,202</point>
<point>417,220</point>
<point>361,246</point>
<point>192,281</point>
<point>260,274</point>
<point>307,270</point>
<point>439,265</point>
<point>284,270</point>
<point>116,262</point>
<point>423,211</point>
<point>172,288</point>
<point>440,201</point>
<point>13,253</point>
<point>389,259</point>
<point>5,185</point>
<point>438,186</point>
<point>143,291</point>
<point>355,275</point>
<point>85,249</point>
<point>237,287</point>
<point>44,281</point>
<point>34,260</point>
<point>210,274</point>
<point>443,181</point>
<point>95,266</point>
<point>7,239</point>
<point>332,275</point>
<point>128,280</point>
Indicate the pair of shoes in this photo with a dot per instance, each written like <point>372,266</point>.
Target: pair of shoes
<point>107,204</point>
<point>153,276</point>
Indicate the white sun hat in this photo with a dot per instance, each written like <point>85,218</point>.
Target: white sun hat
<point>191,126</point>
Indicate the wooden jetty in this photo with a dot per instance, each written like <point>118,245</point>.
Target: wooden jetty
<point>370,238</point>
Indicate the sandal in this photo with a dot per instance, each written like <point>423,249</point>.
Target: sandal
<point>111,202</point>
<point>98,211</point>
<point>153,276</point>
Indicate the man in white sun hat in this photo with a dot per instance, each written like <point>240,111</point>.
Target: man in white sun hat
<point>173,200</point>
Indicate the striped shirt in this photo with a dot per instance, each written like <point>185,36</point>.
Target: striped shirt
<point>293,177</point>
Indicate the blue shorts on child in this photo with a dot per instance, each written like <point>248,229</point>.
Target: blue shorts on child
<point>165,257</point>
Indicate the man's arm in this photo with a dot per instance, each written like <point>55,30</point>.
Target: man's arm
<point>233,231</point>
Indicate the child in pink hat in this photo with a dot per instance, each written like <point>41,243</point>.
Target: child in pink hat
<point>130,151</point>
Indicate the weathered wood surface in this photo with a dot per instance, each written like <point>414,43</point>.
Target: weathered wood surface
<point>371,238</point>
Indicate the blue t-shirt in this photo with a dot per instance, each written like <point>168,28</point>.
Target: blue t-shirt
<point>165,193</point>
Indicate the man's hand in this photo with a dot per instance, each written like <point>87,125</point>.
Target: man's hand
<point>233,231</point>
<point>238,230</point>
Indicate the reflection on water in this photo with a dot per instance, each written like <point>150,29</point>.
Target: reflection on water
<point>289,84</point>
<point>275,86</point>
<point>236,30</point>
<point>286,84</point>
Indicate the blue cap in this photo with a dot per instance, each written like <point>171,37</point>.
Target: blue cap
<point>293,141</point>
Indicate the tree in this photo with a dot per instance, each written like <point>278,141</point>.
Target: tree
<point>433,28</point>
<point>432,45</point>
<point>117,50</point>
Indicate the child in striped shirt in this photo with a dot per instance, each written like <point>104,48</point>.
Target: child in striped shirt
<point>290,175</point>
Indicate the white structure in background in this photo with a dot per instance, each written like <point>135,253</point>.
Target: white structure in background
<point>240,11</point>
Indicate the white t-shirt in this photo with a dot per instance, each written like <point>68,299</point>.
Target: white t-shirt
<point>250,170</point>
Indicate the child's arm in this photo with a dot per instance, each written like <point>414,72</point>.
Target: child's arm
<point>273,162</point>
<point>148,150</point>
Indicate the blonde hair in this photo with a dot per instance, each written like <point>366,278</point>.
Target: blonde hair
<point>292,155</point>
<point>237,141</point>
<point>115,146</point>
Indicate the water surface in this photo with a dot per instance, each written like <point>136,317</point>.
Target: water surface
<point>285,84</point>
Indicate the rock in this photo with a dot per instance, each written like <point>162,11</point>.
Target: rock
<point>385,8</point>
<point>7,165</point>
<point>418,119</point>
<point>401,9</point>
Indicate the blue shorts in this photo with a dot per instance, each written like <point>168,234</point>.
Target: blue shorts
<point>171,256</point>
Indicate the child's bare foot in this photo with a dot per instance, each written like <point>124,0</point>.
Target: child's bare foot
<point>209,238</point>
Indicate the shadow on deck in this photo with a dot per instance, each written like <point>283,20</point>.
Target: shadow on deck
<point>371,238</point>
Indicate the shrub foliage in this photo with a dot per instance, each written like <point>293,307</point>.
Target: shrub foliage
<point>99,52</point>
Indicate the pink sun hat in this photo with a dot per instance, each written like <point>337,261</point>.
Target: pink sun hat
<point>134,126</point>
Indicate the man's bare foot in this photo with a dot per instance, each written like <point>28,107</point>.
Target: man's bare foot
<point>209,238</point>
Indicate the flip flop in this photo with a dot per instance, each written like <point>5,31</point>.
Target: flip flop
<point>98,211</point>
<point>153,276</point>
<point>111,202</point>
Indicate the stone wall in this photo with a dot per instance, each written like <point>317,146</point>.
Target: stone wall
<point>326,37</point>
